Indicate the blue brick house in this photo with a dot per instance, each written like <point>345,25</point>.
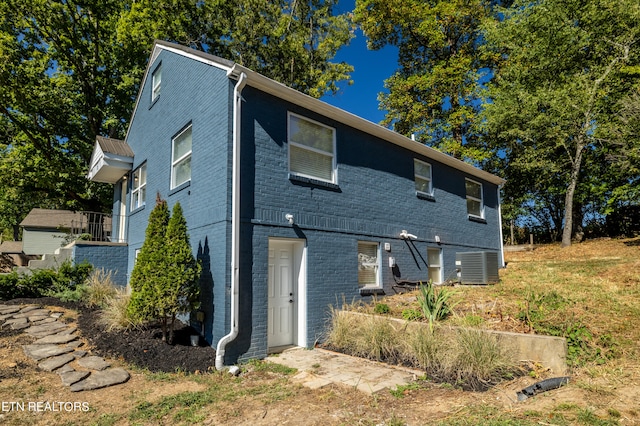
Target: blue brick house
<point>292,205</point>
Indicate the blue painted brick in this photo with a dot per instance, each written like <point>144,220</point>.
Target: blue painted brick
<point>374,200</point>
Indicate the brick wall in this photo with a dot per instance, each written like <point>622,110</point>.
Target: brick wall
<point>112,257</point>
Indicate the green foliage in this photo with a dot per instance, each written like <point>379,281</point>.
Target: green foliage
<point>564,69</point>
<point>381,308</point>
<point>70,71</point>
<point>65,281</point>
<point>435,305</point>
<point>546,313</point>
<point>412,314</point>
<point>164,280</point>
<point>148,271</point>
<point>435,93</point>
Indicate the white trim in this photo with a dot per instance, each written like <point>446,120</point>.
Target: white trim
<point>481,199</point>
<point>137,188</point>
<point>299,249</point>
<point>378,264</point>
<point>334,163</point>
<point>156,83</point>
<point>176,161</point>
<point>429,178</point>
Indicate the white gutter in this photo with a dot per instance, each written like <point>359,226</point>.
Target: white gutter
<point>500,226</point>
<point>235,220</point>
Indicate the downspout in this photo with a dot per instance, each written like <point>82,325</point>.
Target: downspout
<point>500,225</point>
<point>235,221</point>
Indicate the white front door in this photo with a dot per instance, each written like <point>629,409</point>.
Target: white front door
<point>281,294</point>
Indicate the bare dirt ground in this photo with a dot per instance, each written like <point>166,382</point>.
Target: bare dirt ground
<point>266,395</point>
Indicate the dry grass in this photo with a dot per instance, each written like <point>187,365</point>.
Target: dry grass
<point>588,292</point>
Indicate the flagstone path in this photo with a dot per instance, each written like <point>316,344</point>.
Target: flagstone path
<point>56,347</point>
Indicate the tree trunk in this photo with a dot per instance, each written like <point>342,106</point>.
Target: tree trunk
<point>568,201</point>
<point>164,328</point>
<point>171,328</point>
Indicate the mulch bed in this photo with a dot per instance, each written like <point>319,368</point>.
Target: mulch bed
<point>143,347</point>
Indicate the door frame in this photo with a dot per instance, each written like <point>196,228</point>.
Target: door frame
<point>299,326</point>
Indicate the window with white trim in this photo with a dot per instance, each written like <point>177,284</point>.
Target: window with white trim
<point>368,264</point>
<point>434,259</point>
<point>311,149</point>
<point>422,172</point>
<point>475,206</point>
<point>181,158</point>
<point>139,187</point>
<point>156,83</point>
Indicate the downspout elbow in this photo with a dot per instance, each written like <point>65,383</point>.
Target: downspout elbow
<point>235,225</point>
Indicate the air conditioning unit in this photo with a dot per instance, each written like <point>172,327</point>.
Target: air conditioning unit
<point>478,267</point>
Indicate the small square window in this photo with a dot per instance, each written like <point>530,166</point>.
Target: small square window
<point>156,83</point>
<point>475,206</point>
<point>311,149</point>
<point>139,187</point>
<point>368,264</point>
<point>181,158</point>
<point>422,172</point>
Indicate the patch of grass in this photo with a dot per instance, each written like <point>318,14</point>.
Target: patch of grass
<point>470,359</point>
<point>271,367</point>
<point>114,314</point>
<point>381,308</point>
<point>412,314</point>
<point>435,304</point>
<point>402,390</point>
<point>99,289</point>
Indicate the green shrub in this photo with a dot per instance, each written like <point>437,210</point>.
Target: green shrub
<point>412,314</point>
<point>44,282</point>
<point>381,308</point>
<point>435,305</point>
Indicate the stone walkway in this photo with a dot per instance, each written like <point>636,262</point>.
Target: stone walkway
<point>318,368</point>
<point>56,348</point>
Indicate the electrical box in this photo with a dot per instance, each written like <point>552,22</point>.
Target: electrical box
<point>478,267</point>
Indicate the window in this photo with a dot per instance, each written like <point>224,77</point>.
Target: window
<point>181,158</point>
<point>368,264</point>
<point>434,258</point>
<point>422,173</point>
<point>139,187</point>
<point>474,198</point>
<point>311,149</point>
<point>156,83</point>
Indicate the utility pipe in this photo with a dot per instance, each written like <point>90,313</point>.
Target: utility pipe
<point>235,220</point>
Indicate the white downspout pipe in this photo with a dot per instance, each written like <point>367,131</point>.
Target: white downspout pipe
<point>235,221</point>
<point>500,226</point>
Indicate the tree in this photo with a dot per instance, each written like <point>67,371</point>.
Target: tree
<point>150,268</point>
<point>435,93</point>
<point>164,280</point>
<point>567,64</point>
<point>179,291</point>
<point>292,42</point>
<point>70,70</point>
<point>63,80</point>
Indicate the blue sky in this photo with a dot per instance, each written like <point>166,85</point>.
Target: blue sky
<point>371,68</point>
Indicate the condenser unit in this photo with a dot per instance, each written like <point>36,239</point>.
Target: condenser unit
<point>478,267</point>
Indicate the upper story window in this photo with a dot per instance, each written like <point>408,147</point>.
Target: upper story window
<point>422,173</point>
<point>311,149</point>
<point>181,158</point>
<point>156,83</point>
<point>368,264</point>
<point>475,206</point>
<point>139,187</point>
